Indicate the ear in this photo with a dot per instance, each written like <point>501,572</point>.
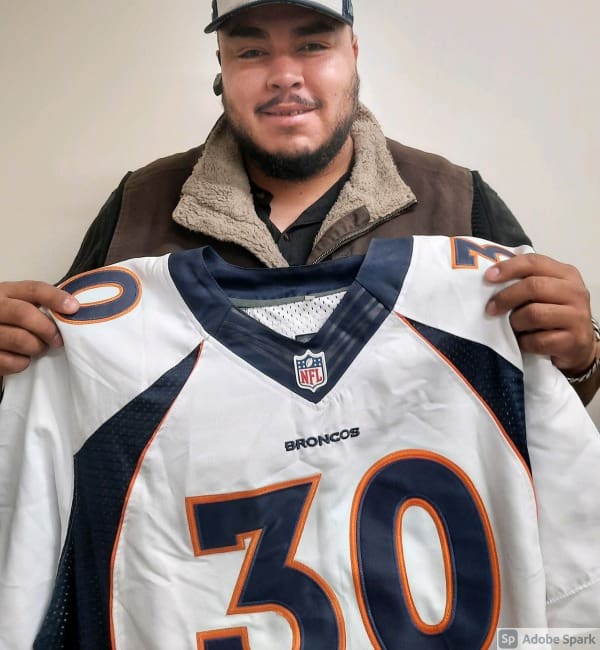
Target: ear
<point>218,53</point>
<point>355,46</point>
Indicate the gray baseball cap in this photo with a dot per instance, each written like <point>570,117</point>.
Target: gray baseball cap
<point>224,9</point>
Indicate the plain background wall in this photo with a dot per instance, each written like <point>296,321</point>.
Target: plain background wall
<point>89,90</point>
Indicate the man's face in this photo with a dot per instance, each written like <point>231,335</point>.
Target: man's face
<point>290,87</point>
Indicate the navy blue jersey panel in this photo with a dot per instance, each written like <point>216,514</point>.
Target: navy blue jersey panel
<point>78,615</point>
<point>497,382</point>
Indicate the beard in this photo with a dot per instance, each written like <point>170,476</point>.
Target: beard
<point>305,164</point>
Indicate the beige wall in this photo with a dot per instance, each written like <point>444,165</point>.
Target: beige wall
<point>90,90</point>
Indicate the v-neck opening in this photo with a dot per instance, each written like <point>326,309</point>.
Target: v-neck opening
<point>207,284</point>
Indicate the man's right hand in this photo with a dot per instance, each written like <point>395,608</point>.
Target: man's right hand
<point>25,331</point>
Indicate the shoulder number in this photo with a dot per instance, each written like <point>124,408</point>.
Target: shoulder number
<point>104,294</point>
<point>467,253</point>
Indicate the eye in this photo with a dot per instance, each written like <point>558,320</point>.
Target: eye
<point>250,54</point>
<point>313,47</point>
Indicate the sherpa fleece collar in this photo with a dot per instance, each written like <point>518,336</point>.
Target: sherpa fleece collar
<point>216,199</point>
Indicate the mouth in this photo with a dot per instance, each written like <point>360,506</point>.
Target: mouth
<point>288,107</point>
<point>287,110</point>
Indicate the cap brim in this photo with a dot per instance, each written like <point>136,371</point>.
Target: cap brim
<point>216,24</point>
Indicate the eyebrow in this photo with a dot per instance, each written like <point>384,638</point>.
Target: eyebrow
<point>246,31</point>
<point>316,27</point>
<point>310,29</point>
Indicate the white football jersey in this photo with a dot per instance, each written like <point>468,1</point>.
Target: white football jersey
<point>350,455</point>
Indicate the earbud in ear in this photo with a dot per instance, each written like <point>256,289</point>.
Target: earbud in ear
<point>218,84</point>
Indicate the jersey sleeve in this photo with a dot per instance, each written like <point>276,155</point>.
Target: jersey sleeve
<point>562,442</point>
<point>564,448</point>
<point>36,479</point>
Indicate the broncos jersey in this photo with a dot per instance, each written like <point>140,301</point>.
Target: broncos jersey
<point>350,455</point>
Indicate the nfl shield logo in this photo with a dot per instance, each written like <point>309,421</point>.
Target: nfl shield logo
<point>311,370</point>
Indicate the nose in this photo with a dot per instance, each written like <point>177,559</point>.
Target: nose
<point>285,74</point>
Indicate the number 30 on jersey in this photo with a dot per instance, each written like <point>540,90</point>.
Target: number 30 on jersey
<point>272,520</point>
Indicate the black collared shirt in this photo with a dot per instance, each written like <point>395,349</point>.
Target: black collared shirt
<point>296,241</point>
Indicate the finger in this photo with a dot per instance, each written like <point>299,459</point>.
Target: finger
<point>15,340</point>
<point>40,293</point>
<point>12,363</point>
<point>557,345</point>
<point>534,289</point>
<point>543,316</point>
<point>530,264</point>
<point>27,317</point>
<point>550,343</point>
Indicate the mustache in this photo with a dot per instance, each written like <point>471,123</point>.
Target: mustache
<point>288,99</point>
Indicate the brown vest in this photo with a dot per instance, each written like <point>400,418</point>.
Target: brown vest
<point>444,203</point>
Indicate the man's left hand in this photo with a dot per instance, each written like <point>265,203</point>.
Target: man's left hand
<point>550,306</point>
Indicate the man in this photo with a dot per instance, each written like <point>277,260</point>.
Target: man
<point>227,480</point>
<point>298,172</point>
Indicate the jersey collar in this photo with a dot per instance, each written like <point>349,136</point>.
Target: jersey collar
<point>209,285</point>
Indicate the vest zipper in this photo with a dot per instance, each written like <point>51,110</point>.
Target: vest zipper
<point>358,233</point>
